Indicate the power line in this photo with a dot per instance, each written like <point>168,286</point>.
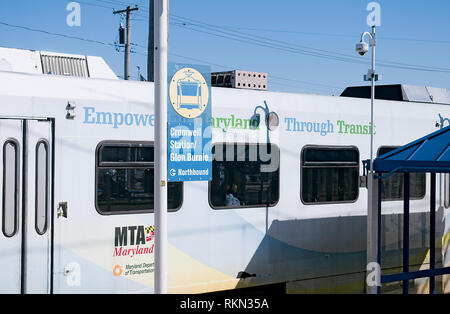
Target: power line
<point>95,5</point>
<point>217,30</point>
<point>268,30</point>
<point>330,87</point>
<point>266,44</point>
<point>200,27</point>
<point>253,41</point>
<point>119,3</point>
<point>290,46</point>
<point>271,76</point>
<point>231,67</point>
<point>144,54</point>
<point>256,29</point>
<point>336,57</point>
<point>263,43</point>
<point>57,34</point>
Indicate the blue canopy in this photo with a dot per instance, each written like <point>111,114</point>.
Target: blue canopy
<point>428,154</point>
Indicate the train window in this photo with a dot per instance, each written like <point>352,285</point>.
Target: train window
<point>329,174</point>
<point>124,154</point>
<point>244,175</point>
<point>393,186</point>
<point>10,204</point>
<point>41,193</point>
<point>124,179</point>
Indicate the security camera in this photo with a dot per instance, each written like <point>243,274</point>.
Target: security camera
<point>362,48</point>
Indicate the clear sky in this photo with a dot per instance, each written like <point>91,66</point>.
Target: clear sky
<point>305,46</point>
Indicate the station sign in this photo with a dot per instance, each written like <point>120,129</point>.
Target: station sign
<point>189,153</point>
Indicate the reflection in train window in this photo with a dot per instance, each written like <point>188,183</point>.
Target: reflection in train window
<point>329,174</point>
<point>447,190</point>
<point>124,179</point>
<point>244,175</point>
<point>393,185</point>
<point>42,181</point>
<point>124,153</point>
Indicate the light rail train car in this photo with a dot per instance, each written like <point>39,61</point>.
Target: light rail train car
<point>77,166</point>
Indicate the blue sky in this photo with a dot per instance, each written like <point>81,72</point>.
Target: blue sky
<point>305,46</point>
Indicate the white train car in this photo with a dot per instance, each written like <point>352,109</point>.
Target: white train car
<point>77,191</point>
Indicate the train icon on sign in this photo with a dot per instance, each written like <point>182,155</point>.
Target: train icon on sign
<point>188,93</point>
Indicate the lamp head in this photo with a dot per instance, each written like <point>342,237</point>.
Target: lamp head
<point>272,121</point>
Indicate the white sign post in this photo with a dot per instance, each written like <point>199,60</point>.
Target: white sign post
<point>160,180</point>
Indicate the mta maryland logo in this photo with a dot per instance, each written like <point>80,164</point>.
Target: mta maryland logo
<point>149,233</point>
<point>132,241</point>
<point>188,93</point>
<point>133,235</point>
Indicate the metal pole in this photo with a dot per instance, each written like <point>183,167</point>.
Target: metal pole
<point>373,235</point>
<point>372,218</point>
<point>379,199</point>
<point>406,230</point>
<point>372,97</point>
<point>161,55</point>
<point>432,230</point>
<point>151,44</point>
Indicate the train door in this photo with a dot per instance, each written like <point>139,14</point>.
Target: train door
<point>26,198</point>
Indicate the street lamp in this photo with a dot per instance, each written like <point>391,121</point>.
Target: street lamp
<point>271,118</point>
<point>362,48</point>
<point>372,215</point>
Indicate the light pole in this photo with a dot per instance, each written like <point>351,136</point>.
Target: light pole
<point>160,181</point>
<point>372,209</point>
<point>362,48</point>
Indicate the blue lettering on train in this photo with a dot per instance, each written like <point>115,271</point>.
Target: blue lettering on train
<point>323,128</point>
<point>117,119</point>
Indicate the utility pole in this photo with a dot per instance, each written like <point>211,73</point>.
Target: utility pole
<point>160,181</point>
<point>151,44</point>
<point>128,11</point>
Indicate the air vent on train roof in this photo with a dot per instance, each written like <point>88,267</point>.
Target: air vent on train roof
<point>240,79</point>
<point>64,65</point>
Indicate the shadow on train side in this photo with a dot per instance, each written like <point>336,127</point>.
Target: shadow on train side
<point>328,255</point>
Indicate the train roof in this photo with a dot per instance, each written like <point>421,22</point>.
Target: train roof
<point>401,92</point>
<point>46,62</point>
<point>52,64</point>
